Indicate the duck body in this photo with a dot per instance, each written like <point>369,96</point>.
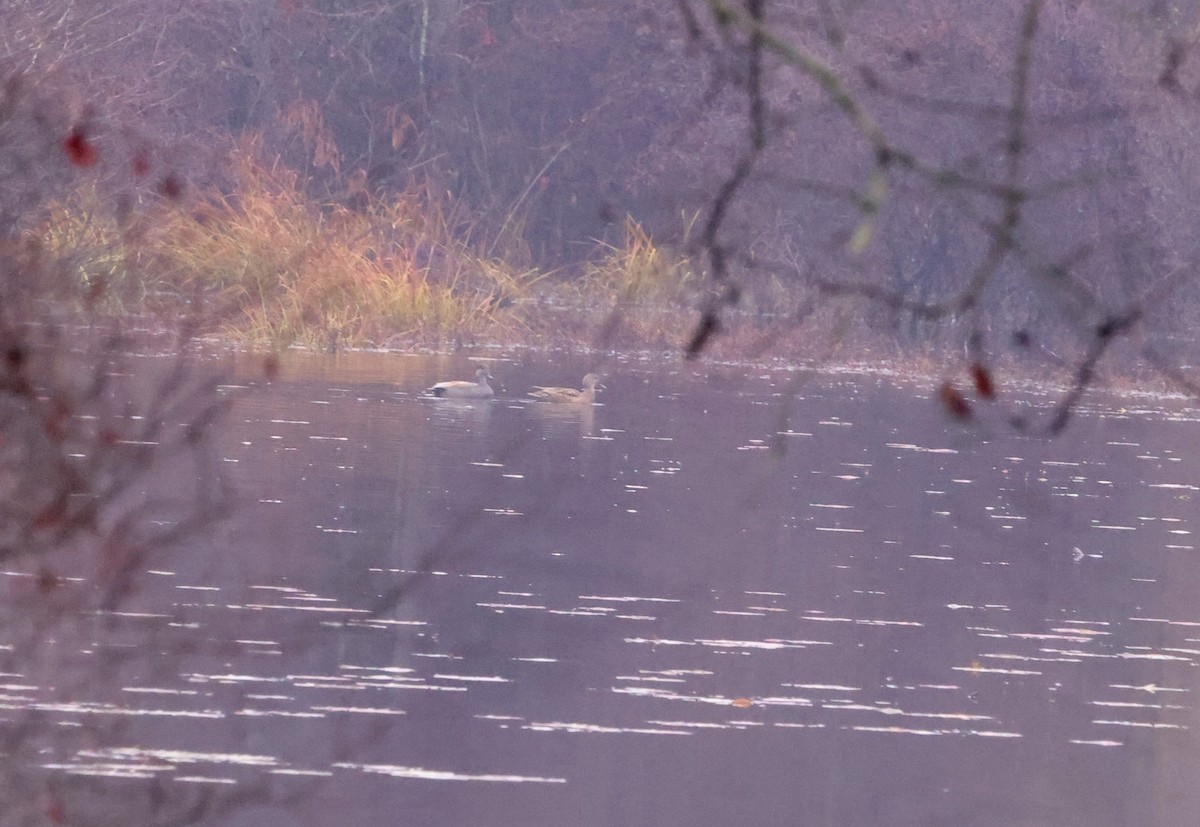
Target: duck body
<point>461,389</point>
<point>570,395</point>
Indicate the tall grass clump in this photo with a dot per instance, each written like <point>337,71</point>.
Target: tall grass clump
<point>638,271</point>
<point>641,293</point>
<point>260,261</point>
<point>283,270</point>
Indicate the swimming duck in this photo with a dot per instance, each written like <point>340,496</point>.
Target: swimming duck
<point>461,389</point>
<point>586,396</point>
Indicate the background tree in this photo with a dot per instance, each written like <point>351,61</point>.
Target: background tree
<point>1021,175</point>
<point>1015,184</point>
<point>990,170</point>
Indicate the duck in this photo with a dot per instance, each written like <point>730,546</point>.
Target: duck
<point>462,389</point>
<point>570,395</point>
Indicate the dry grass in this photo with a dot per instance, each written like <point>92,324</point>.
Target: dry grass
<point>639,272</point>
<point>263,264</point>
<point>635,294</point>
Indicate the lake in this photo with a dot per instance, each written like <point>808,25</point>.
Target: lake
<point>723,595</point>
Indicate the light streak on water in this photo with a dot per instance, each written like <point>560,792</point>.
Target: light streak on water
<point>95,708</point>
<point>599,729</point>
<point>421,773</point>
<point>1140,724</point>
<point>1150,688</point>
<point>996,633</point>
<point>985,670</point>
<point>896,730</point>
<point>628,599</point>
<point>473,678</point>
<point>908,446</point>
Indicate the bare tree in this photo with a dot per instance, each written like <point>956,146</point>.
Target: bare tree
<point>106,460</point>
<point>988,178</point>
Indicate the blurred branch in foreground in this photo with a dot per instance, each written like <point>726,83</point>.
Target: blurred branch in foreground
<point>106,463</point>
<point>952,176</point>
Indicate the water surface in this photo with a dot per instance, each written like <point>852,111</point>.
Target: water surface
<point>721,596</point>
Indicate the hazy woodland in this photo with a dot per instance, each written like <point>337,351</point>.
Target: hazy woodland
<point>827,255</point>
<point>442,171</point>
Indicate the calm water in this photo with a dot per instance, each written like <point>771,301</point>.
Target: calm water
<point>718,598</point>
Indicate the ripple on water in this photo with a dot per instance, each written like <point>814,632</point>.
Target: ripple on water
<point>956,609</point>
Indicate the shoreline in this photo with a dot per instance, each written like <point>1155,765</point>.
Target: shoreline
<point>912,374</point>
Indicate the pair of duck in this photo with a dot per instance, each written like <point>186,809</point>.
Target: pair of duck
<point>479,389</point>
